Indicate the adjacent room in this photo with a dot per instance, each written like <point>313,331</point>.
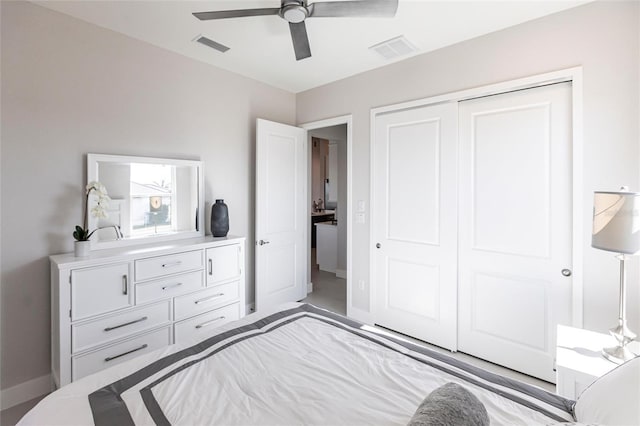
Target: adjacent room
<point>331,212</point>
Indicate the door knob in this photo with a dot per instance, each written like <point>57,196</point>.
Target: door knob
<point>566,272</point>
<point>378,245</point>
<point>263,242</point>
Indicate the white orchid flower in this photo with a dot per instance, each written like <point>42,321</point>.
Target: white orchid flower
<point>96,186</point>
<point>99,212</point>
<point>101,199</point>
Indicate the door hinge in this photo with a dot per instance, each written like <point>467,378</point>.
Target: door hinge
<point>70,278</point>
<point>69,313</point>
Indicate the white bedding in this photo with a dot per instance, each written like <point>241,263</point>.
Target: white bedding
<point>301,365</point>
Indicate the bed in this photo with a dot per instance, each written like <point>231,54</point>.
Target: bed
<point>296,365</point>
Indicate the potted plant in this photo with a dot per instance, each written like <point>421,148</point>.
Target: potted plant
<point>82,234</point>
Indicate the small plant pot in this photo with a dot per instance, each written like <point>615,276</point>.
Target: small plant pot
<point>81,248</point>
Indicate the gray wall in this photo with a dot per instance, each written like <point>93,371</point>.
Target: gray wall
<point>69,88</point>
<point>603,37</point>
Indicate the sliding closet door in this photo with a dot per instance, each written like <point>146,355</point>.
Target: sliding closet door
<point>414,222</point>
<point>515,226</point>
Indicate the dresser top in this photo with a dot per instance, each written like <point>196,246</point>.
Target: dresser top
<point>581,350</point>
<point>142,250</point>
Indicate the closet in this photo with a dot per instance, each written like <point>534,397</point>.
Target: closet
<point>472,224</point>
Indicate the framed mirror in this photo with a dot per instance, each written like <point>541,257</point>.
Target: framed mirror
<point>152,199</point>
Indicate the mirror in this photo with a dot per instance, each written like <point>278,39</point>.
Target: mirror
<point>152,199</point>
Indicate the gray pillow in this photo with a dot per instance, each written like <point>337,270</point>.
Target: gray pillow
<point>450,404</point>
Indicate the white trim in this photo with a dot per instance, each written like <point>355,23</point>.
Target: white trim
<point>577,294</point>
<point>570,74</point>
<point>341,273</point>
<point>25,391</point>
<point>348,120</point>
<point>360,315</point>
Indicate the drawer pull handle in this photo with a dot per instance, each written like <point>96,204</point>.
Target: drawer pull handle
<point>172,264</point>
<point>111,358</point>
<point>171,286</point>
<point>208,323</point>
<point>210,267</point>
<point>126,324</point>
<point>206,299</point>
<point>125,285</point>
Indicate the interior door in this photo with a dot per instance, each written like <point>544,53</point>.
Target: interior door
<point>414,222</point>
<point>515,226</point>
<point>281,213</point>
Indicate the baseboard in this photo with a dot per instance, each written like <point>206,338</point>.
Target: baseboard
<point>309,288</point>
<point>341,273</point>
<point>25,391</point>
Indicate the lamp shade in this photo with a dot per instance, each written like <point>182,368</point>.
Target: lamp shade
<point>616,222</point>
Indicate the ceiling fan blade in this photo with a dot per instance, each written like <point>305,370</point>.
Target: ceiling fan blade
<point>300,40</point>
<point>354,9</point>
<point>223,14</point>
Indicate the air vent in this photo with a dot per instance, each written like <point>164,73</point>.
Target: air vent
<point>394,48</point>
<point>212,44</point>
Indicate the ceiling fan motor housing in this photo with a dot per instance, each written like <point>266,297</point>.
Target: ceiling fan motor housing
<point>294,11</point>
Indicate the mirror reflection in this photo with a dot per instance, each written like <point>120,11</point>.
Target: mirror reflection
<point>150,198</point>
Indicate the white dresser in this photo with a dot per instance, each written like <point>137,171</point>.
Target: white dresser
<point>119,303</point>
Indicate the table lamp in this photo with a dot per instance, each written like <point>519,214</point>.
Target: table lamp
<point>616,228</point>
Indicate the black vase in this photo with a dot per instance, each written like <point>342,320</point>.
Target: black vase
<point>219,219</point>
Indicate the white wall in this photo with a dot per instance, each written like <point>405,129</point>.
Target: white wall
<point>69,88</point>
<point>602,37</point>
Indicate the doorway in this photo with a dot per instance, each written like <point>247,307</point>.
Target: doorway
<point>329,207</point>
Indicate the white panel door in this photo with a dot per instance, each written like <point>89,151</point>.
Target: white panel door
<point>414,222</point>
<point>281,213</point>
<point>515,226</point>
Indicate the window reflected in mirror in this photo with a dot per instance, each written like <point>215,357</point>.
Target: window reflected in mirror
<point>152,192</point>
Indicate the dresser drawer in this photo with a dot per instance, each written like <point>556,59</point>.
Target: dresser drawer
<point>92,362</point>
<point>160,266</point>
<point>204,323</point>
<point>99,290</point>
<point>169,287</point>
<point>202,301</point>
<point>117,326</point>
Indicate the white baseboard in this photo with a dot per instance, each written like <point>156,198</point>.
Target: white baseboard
<point>25,391</point>
<point>341,273</point>
<point>309,288</point>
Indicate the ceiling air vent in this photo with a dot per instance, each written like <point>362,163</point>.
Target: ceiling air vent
<point>394,48</point>
<point>212,44</point>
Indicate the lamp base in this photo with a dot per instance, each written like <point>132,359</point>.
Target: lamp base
<point>622,333</point>
<point>618,354</point>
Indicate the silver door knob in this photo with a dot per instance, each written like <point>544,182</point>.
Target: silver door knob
<point>378,245</point>
<point>566,272</point>
<point>263,242</point>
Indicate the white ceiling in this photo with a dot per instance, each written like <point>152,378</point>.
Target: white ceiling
<point>261,47</point>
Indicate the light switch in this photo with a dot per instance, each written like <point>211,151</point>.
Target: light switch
<point>360,207</point>
<point>359,217</point>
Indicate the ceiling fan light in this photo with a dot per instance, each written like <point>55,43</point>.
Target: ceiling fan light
<point>294,13</point>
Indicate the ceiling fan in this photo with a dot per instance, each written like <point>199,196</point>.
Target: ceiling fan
<point>297,11</point>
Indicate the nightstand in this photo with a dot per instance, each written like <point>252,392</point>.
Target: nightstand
<point>579,361</point>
